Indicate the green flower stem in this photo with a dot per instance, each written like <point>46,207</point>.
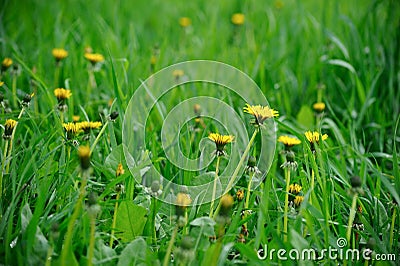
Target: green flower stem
<point>114,222</point>
<point>215,187</point>
<point>49,254</point>
<point>312,185</point>
<point>167,257</point>
<point>3,163</point>
<point>62,117</point>
<point>246,203</point>
<point>153,220</point>
<point>351,217</point>
<point>92,239</point>
<point>235,173</point>
<point>92,80</point>
<point>392,228</point>
<point>98,137</point>
<point>57,74</point>
<point>71,223</point>
<point>285,212</point>
<point>319,95</point>
<point>14,90</point>
<point>11,140</point>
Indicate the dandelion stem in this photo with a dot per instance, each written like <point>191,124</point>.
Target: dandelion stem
<point>285,213</point>
<point>57,75</point>
<point>21,112</point>
<point>215,187</point>
<point>62,117</point>
<point>14,90</point>
<point>92,239</point>
<point>392,228</point>
<point>246,203</point>
<point>167,257</point>
<point>71,223</point>
<point>153,220</point>
<point>3,163</point>
<point>235,173</point>
<point>49,254</point>
<point>12,139</point>
<point>92,80</point>
<point>98,137</point>
<point>114,220</point>
<point>312,185</point>
<point>351,217</point>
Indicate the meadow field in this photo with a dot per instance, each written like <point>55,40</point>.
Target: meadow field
<point>200,133</point>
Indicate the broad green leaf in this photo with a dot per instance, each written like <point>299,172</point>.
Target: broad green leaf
<point>131,220</point>
<point>103,254</point>
<point>134,253</point>
<point>41,244</point>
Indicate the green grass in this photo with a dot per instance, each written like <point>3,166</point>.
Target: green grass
<point>348,48</point>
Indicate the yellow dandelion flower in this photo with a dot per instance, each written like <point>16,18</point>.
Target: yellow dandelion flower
<point>110,102</point>
<point>294,189</point>
<point>76,118</point>
<point>9,126</point>
<point>120,170</point>
<point>260,113</point>
<point>84,156</point>
<point>59,53</point>
<point>288,141</point>
<point>7,62</point>
<point>183,200</point>
<point>95,125</point>
<point>1,83</point>
<point>94,58</point>
<point>197,108</point>
<point>314,136</point>
<point>220,142</point>
<point>153,60</point>
<point>226,205</point>
<point>240,195</point>
<point>62,94</point>
<point>178,73</point>
<point>72,129</point>
<point>279,4</point>
<point>319,107</point>
<point>185,22</point>
<point>298,200</point>
<point>237,19</point>
<point>86,126</point>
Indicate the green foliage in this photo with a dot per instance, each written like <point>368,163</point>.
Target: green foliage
<point>130,221</point>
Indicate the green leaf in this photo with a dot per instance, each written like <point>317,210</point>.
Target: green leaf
<point>342,63</point>
<point>305,117</point>
<point>103,254</point>
<point>114,158</point>
<point>206,224</point>
<point>40,245</point>
<point>131,220</point>
<point>134,253</point>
